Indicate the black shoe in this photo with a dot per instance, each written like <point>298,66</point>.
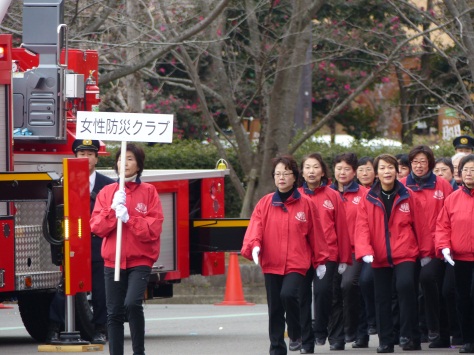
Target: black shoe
<point>295,344</point>
<point>53,333</point>
<point>360,344</point>
<point>467,348</point>
<point>385,349</point>
<point>337,346</point>
<point>99,338</point>
<point>432,336</point>
<point>320,341</point>
<point>440,343</point>
<point>372,330</point>
<point>402,341</point>
<point>411,346</point>
<point>306,351</point>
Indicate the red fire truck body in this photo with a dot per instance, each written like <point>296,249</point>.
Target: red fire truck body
<point>44,194</point>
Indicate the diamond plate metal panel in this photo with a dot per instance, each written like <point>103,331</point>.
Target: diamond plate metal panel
<point>33,252</point>
<point>40,280</point>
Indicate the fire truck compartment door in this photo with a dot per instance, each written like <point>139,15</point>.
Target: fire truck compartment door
<point>166,261</point>
<point>19,109</point>
<point>7,261</point>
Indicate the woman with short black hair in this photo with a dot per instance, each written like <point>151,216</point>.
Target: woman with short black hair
<point>432,191</point>
<point>285,237</point>
<point>391,236</point>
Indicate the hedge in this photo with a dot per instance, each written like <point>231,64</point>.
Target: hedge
<point>195,155</point>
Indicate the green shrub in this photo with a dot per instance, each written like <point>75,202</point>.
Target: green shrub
<point>195,155</point>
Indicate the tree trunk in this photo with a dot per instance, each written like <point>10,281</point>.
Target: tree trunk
<point>133,81</point>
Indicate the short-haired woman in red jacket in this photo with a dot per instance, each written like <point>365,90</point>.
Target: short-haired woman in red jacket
<point>454,239</point>
<point>432,191</point>
<point>285,237</point>
<point>392,235</point>
<point>139,208</point>
<point>315,185</point>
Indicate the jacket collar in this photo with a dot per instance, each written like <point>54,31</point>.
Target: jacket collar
<point>308,191</point>
<point>131,185</point>
<point>276,200</point>
<point>376,189</point>
<point>426,183</point>
<point>467,190</point>
<point>352,187</point>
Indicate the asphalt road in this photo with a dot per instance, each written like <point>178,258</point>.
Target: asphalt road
<point>187,329</point>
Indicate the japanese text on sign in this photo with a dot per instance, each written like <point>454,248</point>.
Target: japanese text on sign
<point>130,127</point>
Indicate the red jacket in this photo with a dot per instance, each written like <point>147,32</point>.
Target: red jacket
<point>140,235</point>
<point>404,237</point>
<point>351,196</point>
<point>432,194</point>
<point>333,221</point>
<point>455,225</point>
<point>289,235</point>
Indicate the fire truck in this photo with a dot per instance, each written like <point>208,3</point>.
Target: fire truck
<point>44,192</point>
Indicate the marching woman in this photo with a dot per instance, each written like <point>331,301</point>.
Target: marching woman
<point>391,236</point>
<point>366,178</point>
<point>445,169</point>
<point>431,190</point>
<point>344,320</point>
<point>285,237</point>
<point>139,208</point>
<point>455,242</point>
<point>333,220</point>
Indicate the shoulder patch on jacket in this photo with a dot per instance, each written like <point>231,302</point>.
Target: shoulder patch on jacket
<point>301,216</point>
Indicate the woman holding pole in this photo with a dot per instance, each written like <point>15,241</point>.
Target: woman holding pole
<point>138,208</point>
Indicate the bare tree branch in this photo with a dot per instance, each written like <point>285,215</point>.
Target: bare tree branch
<point>128,69</point>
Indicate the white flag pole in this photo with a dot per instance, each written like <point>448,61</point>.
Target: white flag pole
<point>118,245</point>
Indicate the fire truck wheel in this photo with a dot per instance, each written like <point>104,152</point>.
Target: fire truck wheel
<point>84,316</point>
<point>34,312</point>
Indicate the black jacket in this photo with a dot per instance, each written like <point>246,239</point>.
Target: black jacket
<point>96,242</point>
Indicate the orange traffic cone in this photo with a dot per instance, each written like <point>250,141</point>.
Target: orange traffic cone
<point>2,306</point>
<point>234,294</point>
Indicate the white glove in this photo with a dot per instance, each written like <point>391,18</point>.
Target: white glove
<point>341,268</point>
<point>447,256</point>
<point>121,213</point>
<point>119,199</point>
<point>321,271</point>
<point>424,261</point>
<point>255,252</point>
<point>368,259</point>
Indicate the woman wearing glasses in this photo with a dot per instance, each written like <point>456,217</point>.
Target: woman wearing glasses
<point>432,191</point>
<point>445,169</point>
<point>285,237</point>
<point>454,240</point>
<point>391,235</point>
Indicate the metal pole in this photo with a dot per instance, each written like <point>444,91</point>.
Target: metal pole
<point>70,320</point>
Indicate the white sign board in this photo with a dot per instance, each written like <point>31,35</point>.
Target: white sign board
<point>124,127</point>
<point>119,126</point>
